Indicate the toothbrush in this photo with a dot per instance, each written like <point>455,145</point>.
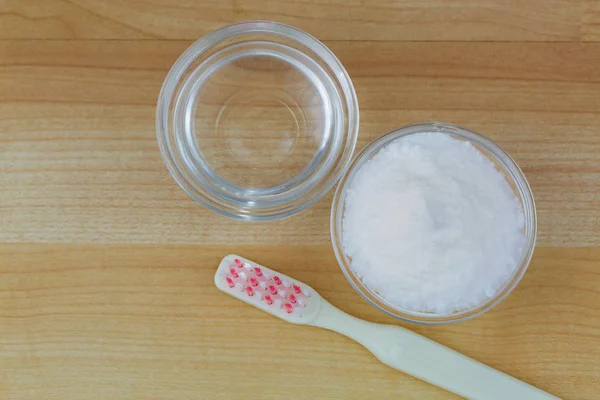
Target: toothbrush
<point>394,346</point>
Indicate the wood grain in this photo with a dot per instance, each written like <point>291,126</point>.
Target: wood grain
<point>81,321</point>
<point>429,20</point>
<point>590,28</point>
<point>74,115</point>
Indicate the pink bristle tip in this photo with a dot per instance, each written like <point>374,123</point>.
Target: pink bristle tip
<point>250,291</point>
<point>288,308</point>
<point>253,281</point>
<point>297,289</point>
<point>233,273</point>
<point>258,271</point>
<point>293,298</point>
<point>229,282</point>
<point>273,290</point>
<point>277,280</point>
<point>268,299</point>
<point>238,262</point>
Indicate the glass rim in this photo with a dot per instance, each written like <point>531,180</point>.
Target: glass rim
<point>304,193</point>
<point>513,172</point>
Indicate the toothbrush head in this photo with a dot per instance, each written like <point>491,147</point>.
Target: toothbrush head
<point>268,290</point>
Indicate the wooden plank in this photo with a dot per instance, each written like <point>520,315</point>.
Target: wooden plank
<point>147,322</point>
<point>590,27</point>
<point>430,20</point>
<point>80,163</point>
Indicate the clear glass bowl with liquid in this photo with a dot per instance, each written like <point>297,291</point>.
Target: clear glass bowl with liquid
<point>504,163</point>
<point>257,120</point>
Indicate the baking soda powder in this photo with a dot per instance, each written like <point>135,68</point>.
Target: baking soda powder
<point>431,224</point>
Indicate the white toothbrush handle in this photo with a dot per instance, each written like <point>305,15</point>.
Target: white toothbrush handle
<point>425,359</point>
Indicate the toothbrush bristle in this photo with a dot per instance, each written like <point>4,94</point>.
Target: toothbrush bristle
<point>272,290</point>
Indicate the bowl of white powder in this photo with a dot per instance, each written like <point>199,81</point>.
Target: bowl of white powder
<point>433,223</point>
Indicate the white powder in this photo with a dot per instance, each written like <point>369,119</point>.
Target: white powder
<point>431,224</point>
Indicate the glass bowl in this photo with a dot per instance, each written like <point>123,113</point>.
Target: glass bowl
<point>504,163</point>
<point>257,120</point>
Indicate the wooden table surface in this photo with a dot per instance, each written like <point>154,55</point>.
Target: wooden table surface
<point>106,265</point>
